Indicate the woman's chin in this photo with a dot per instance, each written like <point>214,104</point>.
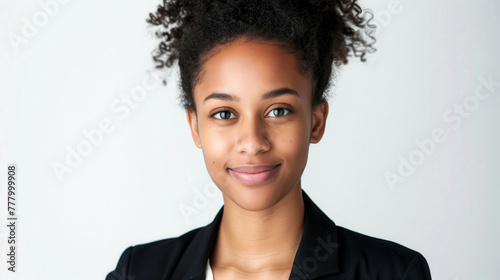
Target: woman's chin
<point>256,199</point>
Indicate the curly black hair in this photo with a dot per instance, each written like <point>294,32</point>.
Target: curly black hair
<point>320,33</point>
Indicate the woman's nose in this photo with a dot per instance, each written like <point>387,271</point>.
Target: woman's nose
<point>253,137</point>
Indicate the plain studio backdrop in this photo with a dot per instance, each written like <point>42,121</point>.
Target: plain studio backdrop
<point>104,158</point>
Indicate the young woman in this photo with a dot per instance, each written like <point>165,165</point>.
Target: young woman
<point>254,76</point>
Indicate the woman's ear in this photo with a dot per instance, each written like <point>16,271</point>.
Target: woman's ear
<point>319,115</point>
<point>193,125</point>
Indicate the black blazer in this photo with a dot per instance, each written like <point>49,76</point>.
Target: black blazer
<point>326,251</point>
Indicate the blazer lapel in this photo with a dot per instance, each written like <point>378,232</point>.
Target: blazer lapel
<point>193,262</point>
<point>317,255</point>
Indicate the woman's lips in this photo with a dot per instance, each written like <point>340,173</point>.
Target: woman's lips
<point>254,174</point>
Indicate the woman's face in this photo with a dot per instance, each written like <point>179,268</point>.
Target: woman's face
<point>254,122</point>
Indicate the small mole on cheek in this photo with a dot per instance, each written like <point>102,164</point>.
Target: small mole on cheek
<point>213,162</point>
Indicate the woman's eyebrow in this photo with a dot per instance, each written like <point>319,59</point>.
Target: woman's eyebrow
<point>268,95</point>
<point>280,92</point>
<point>221,96</point>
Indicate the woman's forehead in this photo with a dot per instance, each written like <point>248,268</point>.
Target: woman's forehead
<point>256,65</point>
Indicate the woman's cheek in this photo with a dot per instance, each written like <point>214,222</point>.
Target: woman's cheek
<point>216,147</point>
<point>220,141</point>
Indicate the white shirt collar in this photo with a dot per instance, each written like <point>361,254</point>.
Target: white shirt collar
<point>208,271</point>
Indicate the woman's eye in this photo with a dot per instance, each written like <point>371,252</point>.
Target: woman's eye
<point>224,115</point>
<point>279,112</point>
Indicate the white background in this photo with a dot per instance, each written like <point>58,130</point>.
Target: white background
<point>63,79</point>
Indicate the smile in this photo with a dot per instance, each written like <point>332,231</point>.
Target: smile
<point>254,175</point>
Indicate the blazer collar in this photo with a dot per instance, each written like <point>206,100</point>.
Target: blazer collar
<point>317,255</point>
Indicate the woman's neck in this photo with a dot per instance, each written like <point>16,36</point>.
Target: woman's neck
<point>260,241</point>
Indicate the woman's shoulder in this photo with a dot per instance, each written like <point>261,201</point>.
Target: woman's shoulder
<point>170,258</point>
<point>373,254</point>
<point>153,258</point>
<point>359,242</point>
